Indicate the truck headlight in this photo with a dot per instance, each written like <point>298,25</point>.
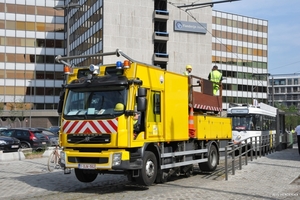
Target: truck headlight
<point>116,159</point>
<point>62,157</point>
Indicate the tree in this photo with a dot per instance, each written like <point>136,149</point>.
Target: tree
<point>292,118</point>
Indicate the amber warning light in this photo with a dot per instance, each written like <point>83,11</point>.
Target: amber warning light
<point>67,70</point>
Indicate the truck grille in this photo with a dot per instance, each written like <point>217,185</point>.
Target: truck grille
<point>86,139</point>
<point>87,160</point>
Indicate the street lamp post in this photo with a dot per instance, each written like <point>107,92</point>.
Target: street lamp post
<point>67,9</point>
<point>30,95</point>
<point>30,106</point>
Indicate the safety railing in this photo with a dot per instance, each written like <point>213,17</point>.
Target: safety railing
<point>238,153</point>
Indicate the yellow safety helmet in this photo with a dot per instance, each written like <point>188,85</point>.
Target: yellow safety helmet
<point>119,107</point>
<point>188,67</point>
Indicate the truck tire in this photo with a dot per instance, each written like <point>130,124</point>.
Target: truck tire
<point>213,157</point>
<point>85,177</point>
<point>149,169</point>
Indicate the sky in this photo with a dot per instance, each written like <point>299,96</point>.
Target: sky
<point>283,18</point>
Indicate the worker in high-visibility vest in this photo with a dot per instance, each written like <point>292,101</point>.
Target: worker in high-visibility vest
<point>188,70</point>
<point>216,77</point>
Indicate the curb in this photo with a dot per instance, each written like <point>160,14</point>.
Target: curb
<point>19,155</point>
<point>12,156</point>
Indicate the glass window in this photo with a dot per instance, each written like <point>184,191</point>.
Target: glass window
<point>240,50</point>
<point>49,11</point>
<point>59,28</point>
<point>229,22</point>
<point>40,58</point>
<point>30,26</point>
<point>11,8</point>
<point>245,25</point>
<point>20,25</point>
<point>30,42</point>
<point>2,7</point>
<point>218,20</point>
<point>289,81</point>
<point>30,10</point>
<point>40,42</point>
<point>295,81</point>
<point>11,25</point>
<point>249,51</point>
<point>255,52</point>
<point>40,10</point>
<point>50,27</point>
<point>40,26</point>
<point>240,37</point>
<point>259,52</point>
<point>265,29</point>
<point>264,41</point>
<point>21,9</point>
<point>2,24</point>
<point>11,57</point>
<point>50,43</point>
<point>234,23</point>
<point>250,38</point>
<point>60,13</point>
<point>240,24</point>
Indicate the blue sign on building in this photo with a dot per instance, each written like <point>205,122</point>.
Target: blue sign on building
<point>194,27</point>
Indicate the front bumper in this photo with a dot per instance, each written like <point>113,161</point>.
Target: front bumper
<point>105,160</point>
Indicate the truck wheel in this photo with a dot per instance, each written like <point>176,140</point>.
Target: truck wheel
<point>149,169</point>
<point>212,162</point>
<point>85,177</point>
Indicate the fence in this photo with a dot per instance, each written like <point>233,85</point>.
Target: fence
<point>251,147</point>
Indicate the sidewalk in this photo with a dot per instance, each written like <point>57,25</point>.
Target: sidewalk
<point>274,176</point>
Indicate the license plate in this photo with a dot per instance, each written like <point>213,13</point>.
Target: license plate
<point>87,166</point>
<point>14,146</point>
<point>43,142</point>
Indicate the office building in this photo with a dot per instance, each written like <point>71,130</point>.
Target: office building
<point>284,89</point>
<point>165,34</point>
<point>31,33</point>
<point>240,49</point>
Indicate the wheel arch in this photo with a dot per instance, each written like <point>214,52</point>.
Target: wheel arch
<point>154,148</point>
<point>213,143</point>
<point>25,142</point>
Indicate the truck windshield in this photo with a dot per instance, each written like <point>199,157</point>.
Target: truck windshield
<point>95,103</point>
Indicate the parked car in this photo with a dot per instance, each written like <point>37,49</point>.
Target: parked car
<point>29,137</point>
<point>53,137</point>
<point>9,144</point>
<point>54,129</point>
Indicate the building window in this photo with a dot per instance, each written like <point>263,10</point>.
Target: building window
<point>289,81</point>
<point>295,81</point>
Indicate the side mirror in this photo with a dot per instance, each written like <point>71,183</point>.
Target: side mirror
<point>61,101</point>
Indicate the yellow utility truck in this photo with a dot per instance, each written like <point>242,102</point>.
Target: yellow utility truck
<point>139,120</point>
